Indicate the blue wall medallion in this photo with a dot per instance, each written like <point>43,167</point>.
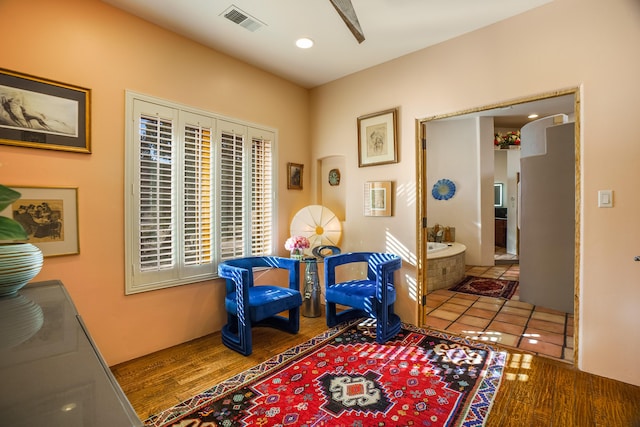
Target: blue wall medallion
<point>444,189</point>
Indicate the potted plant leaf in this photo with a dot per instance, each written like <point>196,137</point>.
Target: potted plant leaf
<point>20,261</point>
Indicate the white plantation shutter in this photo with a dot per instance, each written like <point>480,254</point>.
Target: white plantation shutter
<point>155,194</point>
<point>153,237</point>
<point>197,193</point>
<point>232,191</point>
<point>262,192</point>
<point>200,190</point>
<point>246,194</point>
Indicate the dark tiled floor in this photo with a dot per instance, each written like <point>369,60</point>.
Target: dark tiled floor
<point>510,323</point>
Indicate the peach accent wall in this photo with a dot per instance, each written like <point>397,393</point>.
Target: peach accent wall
<point>564,44</point>
<point>91,44</point>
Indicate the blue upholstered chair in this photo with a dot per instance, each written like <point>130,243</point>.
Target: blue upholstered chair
<point>250,305</point>
<point>372,297</point>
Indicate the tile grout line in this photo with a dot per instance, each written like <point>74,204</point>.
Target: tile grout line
<point>496,315</point>
<point>440,306</point>
<point>469,307</point>
<point>525,326</point>
<point>493,318</point>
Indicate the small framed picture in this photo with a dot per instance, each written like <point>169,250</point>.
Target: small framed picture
<point>40,113</point>
<point>49,216</point>
<point>377,198</point>
<point>377,138</point>
<point>294,176</point>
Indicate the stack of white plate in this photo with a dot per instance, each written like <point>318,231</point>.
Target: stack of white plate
<point>19,263</point>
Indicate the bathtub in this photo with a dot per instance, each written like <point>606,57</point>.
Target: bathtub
<point>445,265</point>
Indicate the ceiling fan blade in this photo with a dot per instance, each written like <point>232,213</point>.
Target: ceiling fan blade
<point>348,14</point>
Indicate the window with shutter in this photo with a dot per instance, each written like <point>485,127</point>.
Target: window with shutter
<point>200,190</point>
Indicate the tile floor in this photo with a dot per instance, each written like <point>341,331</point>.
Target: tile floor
<point>510,323</point>
<point>502,255</point>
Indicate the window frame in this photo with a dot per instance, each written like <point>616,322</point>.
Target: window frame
<point>176,275</point>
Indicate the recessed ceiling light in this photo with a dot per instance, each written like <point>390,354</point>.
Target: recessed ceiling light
<point>533,116</point>
<point>304,43</point>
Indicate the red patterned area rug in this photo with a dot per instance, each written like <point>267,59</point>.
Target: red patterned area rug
<point>344,378</point>
<point>486,287</point>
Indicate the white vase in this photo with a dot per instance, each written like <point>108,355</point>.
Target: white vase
<point>19,263</point>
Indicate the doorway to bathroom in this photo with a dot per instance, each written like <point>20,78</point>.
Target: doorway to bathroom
<point>467,155</point>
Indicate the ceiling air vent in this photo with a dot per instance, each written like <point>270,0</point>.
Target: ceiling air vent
<point>242,18</point>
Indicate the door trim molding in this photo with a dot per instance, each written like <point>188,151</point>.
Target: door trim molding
<point>422,193</point>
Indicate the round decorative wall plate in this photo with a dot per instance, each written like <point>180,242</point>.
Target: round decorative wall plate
<point>334,177</point>
<point>444,189</point>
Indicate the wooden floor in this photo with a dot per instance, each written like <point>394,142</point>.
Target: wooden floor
<point>535,391</point>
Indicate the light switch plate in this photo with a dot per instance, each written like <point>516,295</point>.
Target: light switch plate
<point>605,198</point>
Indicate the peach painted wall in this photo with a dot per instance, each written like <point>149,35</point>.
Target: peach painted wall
<point>91,44</point>
<point>565,44</point>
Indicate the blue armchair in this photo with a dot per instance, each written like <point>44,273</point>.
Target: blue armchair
<point>372,297</point>
<point>250,305</point>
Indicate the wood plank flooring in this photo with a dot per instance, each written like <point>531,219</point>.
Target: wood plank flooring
<point>535,391</point>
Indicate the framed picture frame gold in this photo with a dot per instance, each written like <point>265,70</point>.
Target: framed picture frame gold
<point>377,198</point>
<point>294,176</point>
<point>49,215</point>
<point>377,138</point>
<point>42,113</point>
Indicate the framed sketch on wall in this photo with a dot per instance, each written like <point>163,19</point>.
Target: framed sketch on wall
<point>377,138</point>
<point>49,215</point>
<point>294,176</point>
<point>377,198</point>
<point>40,113</point>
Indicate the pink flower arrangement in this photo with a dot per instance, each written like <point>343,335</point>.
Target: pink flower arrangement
<point>296,243</point>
